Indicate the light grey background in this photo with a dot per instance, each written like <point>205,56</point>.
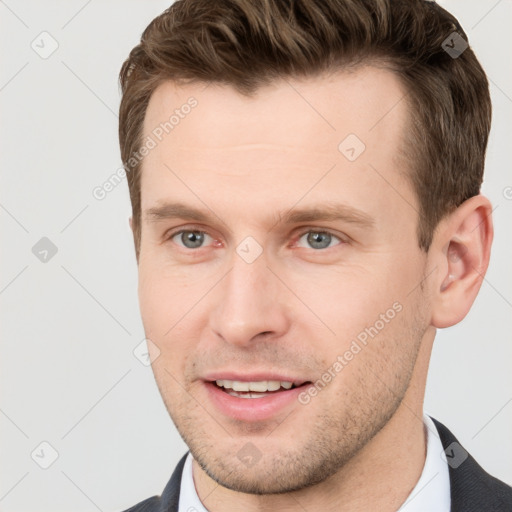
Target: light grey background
<point>68,374</point>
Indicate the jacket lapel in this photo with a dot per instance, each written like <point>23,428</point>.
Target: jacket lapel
<point>171,496</point>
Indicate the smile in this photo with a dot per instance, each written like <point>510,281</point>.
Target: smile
<point>255,389</point>
<point>230,397</point>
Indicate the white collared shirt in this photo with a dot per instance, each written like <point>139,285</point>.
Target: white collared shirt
<point>431,493</point>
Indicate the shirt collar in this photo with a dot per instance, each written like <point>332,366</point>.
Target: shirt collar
<point>432,491</point>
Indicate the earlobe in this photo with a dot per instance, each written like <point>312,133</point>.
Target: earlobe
<point>463,244</point>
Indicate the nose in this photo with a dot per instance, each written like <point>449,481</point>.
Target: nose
<point>251,304</point>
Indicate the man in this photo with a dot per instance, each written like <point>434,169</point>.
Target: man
<point>305,178</point>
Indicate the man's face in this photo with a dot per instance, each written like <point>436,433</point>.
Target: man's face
<point>270,252</point>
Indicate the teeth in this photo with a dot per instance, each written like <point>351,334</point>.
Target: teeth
<point>260,386</point>
<point>246,395</point>
<point>238,386</point>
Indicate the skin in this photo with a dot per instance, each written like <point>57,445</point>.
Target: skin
<point>360,443</point>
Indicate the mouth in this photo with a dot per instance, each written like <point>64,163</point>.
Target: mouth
<point>254,400</point>
<point>255,389</point>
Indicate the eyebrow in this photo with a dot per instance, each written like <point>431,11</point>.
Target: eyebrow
<point>175,210</point>
<point>328,212</point>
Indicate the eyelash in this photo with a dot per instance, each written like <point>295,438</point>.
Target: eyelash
<point>297,237</point>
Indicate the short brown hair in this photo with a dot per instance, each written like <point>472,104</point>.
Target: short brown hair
<point>248,44</point>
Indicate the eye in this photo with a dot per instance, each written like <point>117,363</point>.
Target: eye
<point>319,239</point>
<point>190,239</point>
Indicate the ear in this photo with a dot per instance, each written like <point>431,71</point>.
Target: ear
<point>131,224</point>
<point>461,251</point>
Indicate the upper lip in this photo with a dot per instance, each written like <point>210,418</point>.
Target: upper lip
<point>254,377</point>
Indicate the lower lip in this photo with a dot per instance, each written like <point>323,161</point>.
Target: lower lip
<point>252,409</point>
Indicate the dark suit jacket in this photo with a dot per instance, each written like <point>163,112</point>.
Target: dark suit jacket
<point>471,488</point>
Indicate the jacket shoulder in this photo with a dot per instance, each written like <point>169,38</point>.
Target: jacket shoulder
<point>471,487</point>
<point>149,505</point>
<point>169,500</point>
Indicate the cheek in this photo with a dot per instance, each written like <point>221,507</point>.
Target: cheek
<point>154,305</point>
<point>371,317</point>
<point>165,295</point>
<point>377,359</point>
<point>169,306</point>
<point>347,300</point>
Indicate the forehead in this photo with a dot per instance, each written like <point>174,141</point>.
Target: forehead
<point>313,112</point>
<point>211,141</point>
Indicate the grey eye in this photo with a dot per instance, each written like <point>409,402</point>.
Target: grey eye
<point>190,239</point>
<point>319,239</point>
